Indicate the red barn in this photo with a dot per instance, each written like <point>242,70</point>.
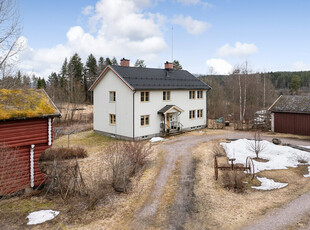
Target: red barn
<point>291,114</point>
<point>26,130</point>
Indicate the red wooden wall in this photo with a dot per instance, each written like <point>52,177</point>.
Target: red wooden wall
<point>20,135</point>
<point>292,123</point>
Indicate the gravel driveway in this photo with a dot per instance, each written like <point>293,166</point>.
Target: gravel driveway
<point>180,148</point>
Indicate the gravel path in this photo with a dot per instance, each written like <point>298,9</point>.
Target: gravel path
<point>180,148</point>
<point>285,216</point>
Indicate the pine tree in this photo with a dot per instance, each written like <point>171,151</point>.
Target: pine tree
<point>177,65</point>
<point>114,61</point>
<point>101,65</point>
<point>90,74</point>
<point>108,61</point>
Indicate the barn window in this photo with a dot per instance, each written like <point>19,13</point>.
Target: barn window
<point>145,120</point>
<point>112,96</point>
<point>166,95</point>
<point>112,119</point>
<point>192,94</point>
<point>191,114</point>
<point>145,96</point>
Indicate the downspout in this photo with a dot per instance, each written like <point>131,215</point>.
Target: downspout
<point>32,166</point>
<point>133,115</point>
<point>207,107</point>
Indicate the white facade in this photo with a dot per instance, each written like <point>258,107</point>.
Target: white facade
<point>128,109</point>
<point>122,107</point>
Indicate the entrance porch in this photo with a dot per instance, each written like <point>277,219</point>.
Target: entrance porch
<point>170,119</point>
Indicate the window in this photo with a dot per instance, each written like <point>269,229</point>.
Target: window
<point>199,94</point>
<point>112,119</point>
<point>166,95</point>
<point>145,120</point>
<point>199,113</point>
<point>191,114</point>
<point>112,96</point>
<point>145,96</point>
<point>192,94</point>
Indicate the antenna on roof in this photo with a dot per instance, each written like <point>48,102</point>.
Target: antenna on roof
<point>172,44</point>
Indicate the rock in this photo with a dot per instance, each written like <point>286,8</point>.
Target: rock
<point>276,141</point>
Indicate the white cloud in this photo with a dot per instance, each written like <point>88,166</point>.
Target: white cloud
<point>88,10</point>
<point>219,66</point>
<point>239,50</point>
<point>195,2</point>
<point>121,29</point>
<point>301,66</point>
<point>191,25</point>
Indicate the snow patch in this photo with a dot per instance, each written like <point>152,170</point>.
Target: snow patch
<point>41,216</point>
<point>279,157</point>
<point>156,139</point>
<point>269,184</point>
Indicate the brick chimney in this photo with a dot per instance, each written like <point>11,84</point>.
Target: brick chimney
<point>125,62</point>
<point>168,65</point>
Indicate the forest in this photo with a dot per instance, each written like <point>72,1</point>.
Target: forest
<point>236,96</point>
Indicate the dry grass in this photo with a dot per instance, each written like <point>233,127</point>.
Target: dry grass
<point>287,135</point>
<point>91,141</point>
<point>219,208</point>
<point>115,211</point>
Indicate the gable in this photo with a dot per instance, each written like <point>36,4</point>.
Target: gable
<point>103,74</point>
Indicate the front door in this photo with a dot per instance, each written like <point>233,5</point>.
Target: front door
<point>172,120</point>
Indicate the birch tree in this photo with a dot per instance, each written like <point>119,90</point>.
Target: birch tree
<point>10,31</point>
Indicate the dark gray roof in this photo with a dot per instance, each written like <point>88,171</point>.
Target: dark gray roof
<point>167,107</point>
<point>152,79</point>
<point>291,104</point>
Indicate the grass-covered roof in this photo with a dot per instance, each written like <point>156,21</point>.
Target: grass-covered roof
<point>30,103</point>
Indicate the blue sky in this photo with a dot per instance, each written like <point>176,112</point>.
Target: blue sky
<point>209,36</point>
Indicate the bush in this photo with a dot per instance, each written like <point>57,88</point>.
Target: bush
<point>124,160</point>
<point>233,180</point>
<point>63,153</point>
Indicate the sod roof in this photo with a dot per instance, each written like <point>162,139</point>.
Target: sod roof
<point>23,104</point>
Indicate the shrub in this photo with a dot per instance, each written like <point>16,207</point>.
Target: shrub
<point>63,153</point>
<point>233,180</point>
<point>124,160</point>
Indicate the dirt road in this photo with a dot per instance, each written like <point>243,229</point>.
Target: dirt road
<point>179,150</point>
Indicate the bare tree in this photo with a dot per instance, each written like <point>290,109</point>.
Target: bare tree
<point>257,145</point>
<point>9,33</point>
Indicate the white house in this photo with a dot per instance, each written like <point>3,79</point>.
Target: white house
<point>137,103</point>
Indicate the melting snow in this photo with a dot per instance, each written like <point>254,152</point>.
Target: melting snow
<point>269,184</point>
<point>41,216</point>
<point>279,157</point>
<point>156,139</point>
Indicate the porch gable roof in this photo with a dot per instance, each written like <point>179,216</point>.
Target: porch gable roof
<point>168,108</point>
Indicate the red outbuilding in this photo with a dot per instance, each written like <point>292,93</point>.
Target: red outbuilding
<point>26,130</point>
<point>291,114</point>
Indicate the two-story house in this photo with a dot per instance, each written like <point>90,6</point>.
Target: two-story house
<point>137,103</point>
